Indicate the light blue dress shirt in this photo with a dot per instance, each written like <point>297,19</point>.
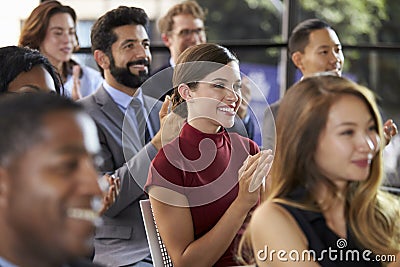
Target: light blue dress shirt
<point>123,100</point>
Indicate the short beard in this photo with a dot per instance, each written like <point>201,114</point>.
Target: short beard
<point>127,78</point>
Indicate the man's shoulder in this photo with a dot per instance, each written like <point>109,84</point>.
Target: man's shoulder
<point>97,98</point>
<point>276,104</point>
<point>95,106</point>
<point>165,66</point>
<point>86,99</point>
<point>272,109</point>
<point>89,103</point>
<point>152,102</point>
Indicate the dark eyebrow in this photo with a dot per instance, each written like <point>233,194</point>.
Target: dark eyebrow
<point>328,46</point>
<point>133,41</point>
<point>124,42</point>
<point>323,47</point>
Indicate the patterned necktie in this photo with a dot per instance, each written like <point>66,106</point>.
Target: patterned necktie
<point>141,120</point>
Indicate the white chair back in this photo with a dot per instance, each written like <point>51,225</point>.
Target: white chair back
<point>158,251</point>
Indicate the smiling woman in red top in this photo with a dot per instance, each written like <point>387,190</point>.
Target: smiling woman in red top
<point>204,183</point>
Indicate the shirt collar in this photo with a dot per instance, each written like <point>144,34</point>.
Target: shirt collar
<point>120,98</point>
<point>171,62</point>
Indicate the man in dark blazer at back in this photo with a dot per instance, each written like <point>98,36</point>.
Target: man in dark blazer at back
<point>314,47</point>
<point>121,48</point>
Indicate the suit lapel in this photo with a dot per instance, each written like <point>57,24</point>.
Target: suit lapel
<point>110,109</point>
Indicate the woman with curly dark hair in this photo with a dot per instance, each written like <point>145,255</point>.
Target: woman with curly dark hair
<point>26,70</point>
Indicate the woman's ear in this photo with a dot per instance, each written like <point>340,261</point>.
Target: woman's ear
<point>101,59</point>
<point>185,91</point>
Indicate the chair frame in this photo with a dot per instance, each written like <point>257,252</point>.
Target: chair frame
<point>158,250</point>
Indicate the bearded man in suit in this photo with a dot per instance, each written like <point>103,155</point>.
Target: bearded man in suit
<point>128,125</point>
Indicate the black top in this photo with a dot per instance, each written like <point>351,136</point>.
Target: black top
<point>329,248</point>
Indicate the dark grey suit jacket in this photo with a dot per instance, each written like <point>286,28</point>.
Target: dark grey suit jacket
<point>121,240</point>
<point>160,83</point>
<point>268,127</point>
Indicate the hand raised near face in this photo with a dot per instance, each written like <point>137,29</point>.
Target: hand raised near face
<point>389,130</point>
<point>170,125</point>
<point>76,87</point>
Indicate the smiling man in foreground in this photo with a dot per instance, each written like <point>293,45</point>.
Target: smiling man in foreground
<point>47,181</point>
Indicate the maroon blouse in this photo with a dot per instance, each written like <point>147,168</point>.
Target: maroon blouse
<point>204,168</point>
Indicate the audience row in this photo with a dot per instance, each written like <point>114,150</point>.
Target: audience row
<point>75,164</point>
